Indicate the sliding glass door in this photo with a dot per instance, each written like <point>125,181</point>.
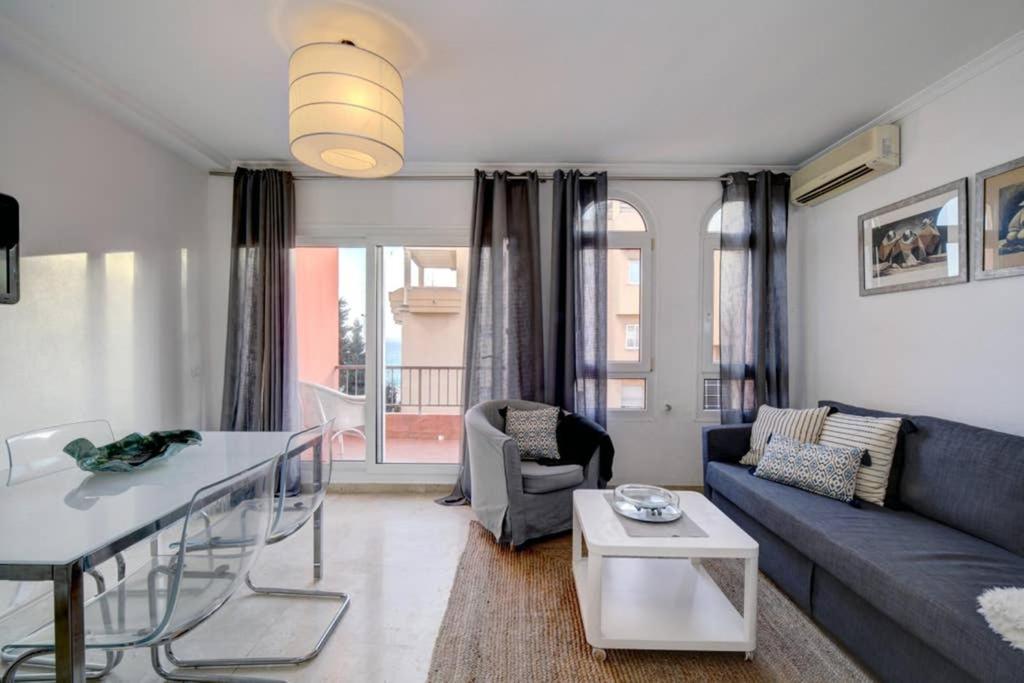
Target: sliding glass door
<point>423,321</point>
<point>380,343</point>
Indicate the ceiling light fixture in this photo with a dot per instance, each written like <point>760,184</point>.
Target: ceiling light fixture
<point>345,110</point>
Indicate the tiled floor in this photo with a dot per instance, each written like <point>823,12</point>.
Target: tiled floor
<point>395,554</point>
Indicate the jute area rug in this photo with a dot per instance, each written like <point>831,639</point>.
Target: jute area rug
<point>513,616</point>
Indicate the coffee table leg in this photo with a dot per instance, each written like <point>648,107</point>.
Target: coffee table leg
<point>577,541</point>
<point>593,606</point>
<point>750,602</point>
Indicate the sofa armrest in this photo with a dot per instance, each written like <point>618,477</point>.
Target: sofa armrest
<point>723,443</point>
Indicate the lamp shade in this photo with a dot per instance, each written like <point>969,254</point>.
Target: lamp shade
<point>345,110</point>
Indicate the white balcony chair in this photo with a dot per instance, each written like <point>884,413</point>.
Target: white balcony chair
<point>321,404</point>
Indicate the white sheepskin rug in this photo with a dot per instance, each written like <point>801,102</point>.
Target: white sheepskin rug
<point>1003,609</point>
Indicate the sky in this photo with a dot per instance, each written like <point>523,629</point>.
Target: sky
<point>352,284</point>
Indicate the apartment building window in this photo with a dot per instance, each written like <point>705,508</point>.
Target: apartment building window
<point>629,305</point>
<point>708,385</point>
<point>633,275</point>
<point>632,337</point>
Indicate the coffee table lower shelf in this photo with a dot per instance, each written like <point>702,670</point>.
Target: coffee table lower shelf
<point>657,604</point>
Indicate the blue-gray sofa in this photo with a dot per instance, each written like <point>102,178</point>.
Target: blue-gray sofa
<point>896,585</point>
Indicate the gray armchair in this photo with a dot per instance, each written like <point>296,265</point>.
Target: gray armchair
<point>515,500</point>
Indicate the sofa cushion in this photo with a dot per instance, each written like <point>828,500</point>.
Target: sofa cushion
<point>923,575</point>
<point>967,477</point>
<point>539,478</point>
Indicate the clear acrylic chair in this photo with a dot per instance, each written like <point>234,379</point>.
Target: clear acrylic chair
<point>41,451</point>
<point>184,581</point>
<point>36,454</point>
<point>303,475</point>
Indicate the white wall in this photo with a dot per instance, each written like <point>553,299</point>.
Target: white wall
<point>952,351</point>
<point>108,324</point>
<point>662,447</point>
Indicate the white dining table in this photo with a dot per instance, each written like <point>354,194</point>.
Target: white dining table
<point>60,525</point>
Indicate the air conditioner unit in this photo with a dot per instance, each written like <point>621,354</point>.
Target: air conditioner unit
<point>856,161</point>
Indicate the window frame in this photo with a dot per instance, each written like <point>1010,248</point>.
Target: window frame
<point>708,368</point>
<point>643,367</point>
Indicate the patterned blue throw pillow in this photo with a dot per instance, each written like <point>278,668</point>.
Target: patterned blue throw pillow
<point>826,470</point>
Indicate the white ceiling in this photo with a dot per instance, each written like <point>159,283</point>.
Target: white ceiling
<point>598,81</point>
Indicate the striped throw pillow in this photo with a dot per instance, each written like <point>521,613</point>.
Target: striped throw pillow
<point>876,435</point>
<point>802,425</point>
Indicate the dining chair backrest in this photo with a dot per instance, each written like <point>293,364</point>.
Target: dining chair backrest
<point>225,529</point>
<point>41,451</point>
<point>303,476</point>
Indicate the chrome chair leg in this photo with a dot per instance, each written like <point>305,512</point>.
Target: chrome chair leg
<point>11,675</point>
<point>113,657</point>
<point>342,598</point>
<point>158,667</point>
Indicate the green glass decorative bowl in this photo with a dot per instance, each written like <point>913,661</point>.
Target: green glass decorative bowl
<point>133,452</point>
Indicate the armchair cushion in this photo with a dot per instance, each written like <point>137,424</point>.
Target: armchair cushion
<point>539,478</point>
<point>534,431</point>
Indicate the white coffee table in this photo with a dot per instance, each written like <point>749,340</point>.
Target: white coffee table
<point>651,593</point>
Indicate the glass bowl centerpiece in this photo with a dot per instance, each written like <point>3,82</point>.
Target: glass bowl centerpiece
<point>646,503</point>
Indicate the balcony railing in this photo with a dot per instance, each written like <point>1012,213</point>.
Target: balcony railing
<point>409,388</point>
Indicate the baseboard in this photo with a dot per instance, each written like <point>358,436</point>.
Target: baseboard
<point>397,487</point>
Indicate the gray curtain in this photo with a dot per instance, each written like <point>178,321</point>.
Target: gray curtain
<point>504,356</point>
<point>577,348</point>
<point>260,391</point>
<point>753,322</point>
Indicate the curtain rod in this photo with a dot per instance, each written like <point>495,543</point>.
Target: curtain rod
<point>541,177</point>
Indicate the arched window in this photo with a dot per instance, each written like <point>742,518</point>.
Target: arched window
<point>709,390</point>
<point>629,305</point>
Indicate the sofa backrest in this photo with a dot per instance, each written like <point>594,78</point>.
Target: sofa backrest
<point>966,477</point>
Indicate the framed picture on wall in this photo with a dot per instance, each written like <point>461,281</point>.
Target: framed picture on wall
<point>999,221</point>
<point>918,242</point>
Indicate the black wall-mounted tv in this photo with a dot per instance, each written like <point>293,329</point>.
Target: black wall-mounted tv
<point>8,249</point>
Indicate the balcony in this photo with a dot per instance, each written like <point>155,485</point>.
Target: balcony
<point>423,413</point>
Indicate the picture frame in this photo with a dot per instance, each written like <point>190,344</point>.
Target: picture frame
<point>921,241</point>
<point>998,241</point>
